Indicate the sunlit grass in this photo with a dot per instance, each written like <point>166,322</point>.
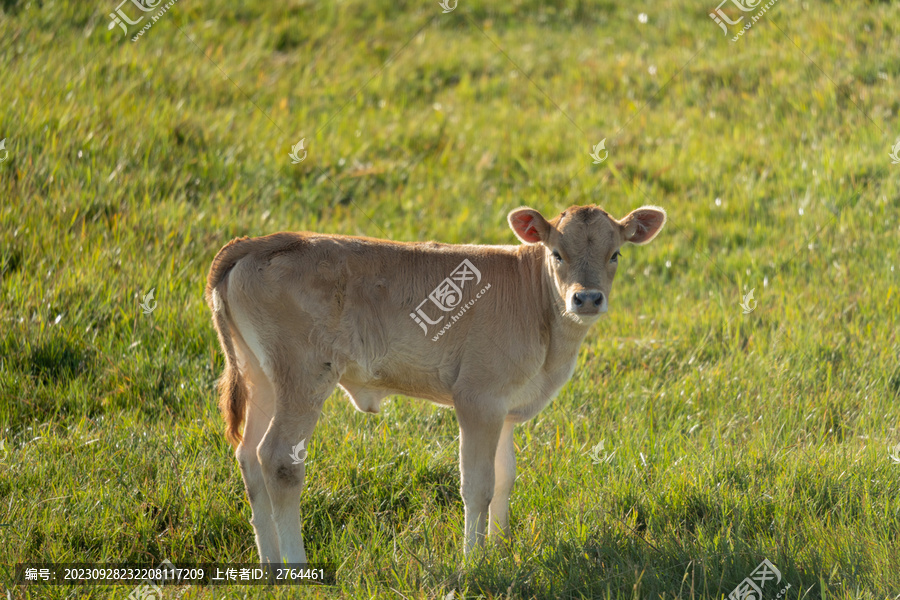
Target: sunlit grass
<point>727,437</point>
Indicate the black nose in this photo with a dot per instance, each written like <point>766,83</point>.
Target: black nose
<point>588,299</point>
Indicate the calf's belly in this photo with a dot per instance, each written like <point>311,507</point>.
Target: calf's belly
<point>367,390</point>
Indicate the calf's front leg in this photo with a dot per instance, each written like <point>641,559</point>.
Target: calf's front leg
<point>478,435</point>
<point>504,478</point>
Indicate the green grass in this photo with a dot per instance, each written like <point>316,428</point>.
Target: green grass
<point>728,438</point>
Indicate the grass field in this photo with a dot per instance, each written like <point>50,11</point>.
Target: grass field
<point>727,438</point>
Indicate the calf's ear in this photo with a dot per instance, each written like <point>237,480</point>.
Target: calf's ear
<point>529,225</point>
<point>641,225</point>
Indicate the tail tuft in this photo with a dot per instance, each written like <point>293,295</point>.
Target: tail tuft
<point>232,401</point>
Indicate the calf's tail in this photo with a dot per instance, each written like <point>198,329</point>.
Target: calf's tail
<point>232,388</point>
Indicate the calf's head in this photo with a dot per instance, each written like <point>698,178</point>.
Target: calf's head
<point>581,251</point>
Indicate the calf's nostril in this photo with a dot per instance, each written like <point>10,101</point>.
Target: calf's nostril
<point>598,300</point>
<point>576,300</point>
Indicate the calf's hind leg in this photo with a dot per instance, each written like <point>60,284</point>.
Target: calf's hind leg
<point>260,407</point>
<point>298,403</point>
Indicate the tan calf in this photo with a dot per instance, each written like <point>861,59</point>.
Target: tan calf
<point>492,331</point>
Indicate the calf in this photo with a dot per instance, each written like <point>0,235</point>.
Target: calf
<point>492,331</point>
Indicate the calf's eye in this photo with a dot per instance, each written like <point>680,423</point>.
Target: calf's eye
<point>557,256</point>
<point>615,256</point>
